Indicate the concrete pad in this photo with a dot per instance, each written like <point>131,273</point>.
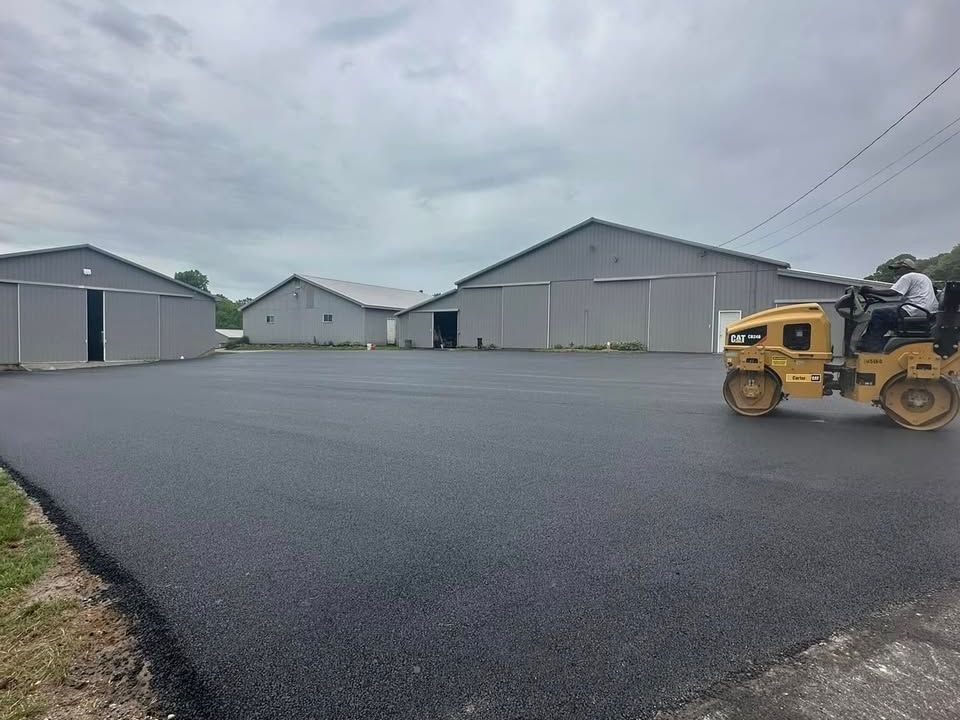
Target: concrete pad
<point>52,366</point>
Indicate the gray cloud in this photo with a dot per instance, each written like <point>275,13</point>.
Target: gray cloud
<point>140,30</point>
<point>361,29</point>
<point>412,146</point>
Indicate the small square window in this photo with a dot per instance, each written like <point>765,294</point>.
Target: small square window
<point>271,319</point>
<point>796,337</point>
<point>328,317</point>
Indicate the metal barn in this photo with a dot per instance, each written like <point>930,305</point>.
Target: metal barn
<point>601,282</point>
<point>81,304</point>
<point>310,309</point>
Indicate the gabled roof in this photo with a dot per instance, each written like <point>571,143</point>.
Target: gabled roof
<point>427,301</point>
<point>88,246</point>
<point>839,279</point>
<point>597,221</point>
<point>375,297</point>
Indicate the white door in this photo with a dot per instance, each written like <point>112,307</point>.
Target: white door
<point>724,318</point>
<point>391,331</point>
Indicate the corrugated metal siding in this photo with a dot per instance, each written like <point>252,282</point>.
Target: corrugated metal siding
<point>570,304</point>
<point>186,327</point>
<point>375,325</point>
<point>743,291</point>
<point>525,310</point>
<point>53,324</point>
<point>9,344</point>
<point>132,324</point>
<point>420,326</point>
<point>583,312</point>
<point>66,267</point>
<point>680,315</point>
<point>299,318</point>
<point>602,251</point>
<point>800,288</point>
<point>480,315</point>
<point>449,302</point>
<point>619,312</point>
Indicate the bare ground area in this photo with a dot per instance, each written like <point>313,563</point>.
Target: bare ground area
<point>65,650</point>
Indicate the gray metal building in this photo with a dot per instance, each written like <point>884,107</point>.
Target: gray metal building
<point>310,309</point>
<point>599,281</point>
<point>81,303</point>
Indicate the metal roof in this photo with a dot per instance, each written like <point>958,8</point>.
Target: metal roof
<point>427,301</point>
<point>822,277</point>
<point>376,297</point>
<point>88,246</point>
<point>230,332</point>
<point>598,221</point>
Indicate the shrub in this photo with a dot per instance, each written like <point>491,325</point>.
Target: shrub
<point>234,342</point>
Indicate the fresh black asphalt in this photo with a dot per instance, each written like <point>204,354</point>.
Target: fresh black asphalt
<point>491,535</point>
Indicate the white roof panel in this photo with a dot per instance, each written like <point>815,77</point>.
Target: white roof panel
<point>375,296</point>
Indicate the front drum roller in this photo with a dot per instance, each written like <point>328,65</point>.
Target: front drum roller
<point>752,393</point>
<point>920,404</point>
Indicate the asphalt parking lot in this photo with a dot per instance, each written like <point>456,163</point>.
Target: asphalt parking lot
<point>491,535</point>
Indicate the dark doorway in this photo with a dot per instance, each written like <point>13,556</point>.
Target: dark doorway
<point>445,329</point>
<point>95,325</point>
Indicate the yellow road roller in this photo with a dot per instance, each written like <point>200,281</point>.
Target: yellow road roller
<point>786,352</point>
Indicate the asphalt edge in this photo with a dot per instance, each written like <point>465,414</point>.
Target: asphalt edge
<point>875,622</point>
<point>176,681</point>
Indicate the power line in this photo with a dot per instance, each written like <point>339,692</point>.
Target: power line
<point>854,187</point>
<point>860,197</point>
<point>859,153</point>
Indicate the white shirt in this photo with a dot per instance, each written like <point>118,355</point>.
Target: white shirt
<point>917,289</point>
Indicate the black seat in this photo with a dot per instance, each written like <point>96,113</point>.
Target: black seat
<point>913,326</point>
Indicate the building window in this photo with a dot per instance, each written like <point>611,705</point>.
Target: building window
<point>328,317</point>
<point>271,319</point>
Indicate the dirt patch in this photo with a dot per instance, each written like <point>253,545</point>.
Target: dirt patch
<point>70,654</point>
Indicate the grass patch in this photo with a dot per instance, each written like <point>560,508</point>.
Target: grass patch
<point>26,549</point>
<point>614,345</point>
<point>36,645</point>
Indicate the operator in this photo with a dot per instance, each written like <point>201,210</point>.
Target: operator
<point>915,288</point>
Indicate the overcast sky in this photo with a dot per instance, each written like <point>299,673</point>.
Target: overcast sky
<point>410,144</point>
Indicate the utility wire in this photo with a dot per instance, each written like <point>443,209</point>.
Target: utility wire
<point>860,197</point>
<point>854,187</point>
<point>859,153</point>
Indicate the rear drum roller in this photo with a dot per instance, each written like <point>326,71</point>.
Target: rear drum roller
<point>752,393</point>
<point>920,404</point>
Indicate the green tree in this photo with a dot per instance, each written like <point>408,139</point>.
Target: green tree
<point>228,313</point>
<point>883,271</point>
<point>194,278</point>
<point>945,266</point>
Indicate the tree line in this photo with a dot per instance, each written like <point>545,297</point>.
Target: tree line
<point>945,266</point>
<point>228,311</point>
